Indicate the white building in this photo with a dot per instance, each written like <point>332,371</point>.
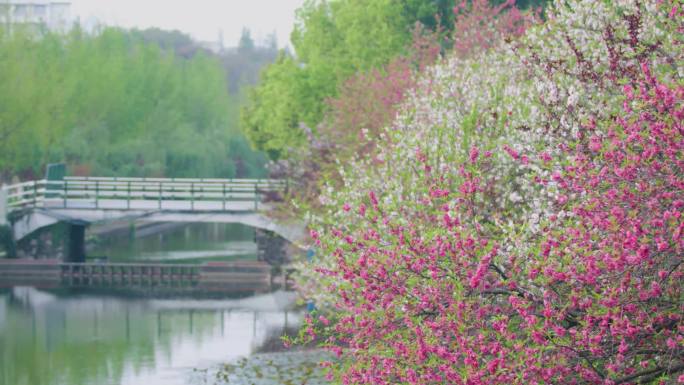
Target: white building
<point>36,14</point>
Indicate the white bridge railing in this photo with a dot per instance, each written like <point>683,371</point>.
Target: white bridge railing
<point>141,194</point>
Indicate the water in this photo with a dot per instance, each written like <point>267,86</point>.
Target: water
<point>63,338</point>
<point>177,243</point>
<point>100,337</point>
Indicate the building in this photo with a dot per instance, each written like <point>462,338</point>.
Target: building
<point>36,14</point>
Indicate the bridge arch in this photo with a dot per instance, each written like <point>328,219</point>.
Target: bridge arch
<point>84,201</point>
<point>35,219</point>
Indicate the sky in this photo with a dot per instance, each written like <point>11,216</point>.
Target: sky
<point>202,19</point>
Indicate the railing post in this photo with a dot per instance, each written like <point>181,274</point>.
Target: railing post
<point>35,193</point>
<point>128,196</point>
<point>4,209</point>
<point>256,196</point>
<point>65,192</point>
<point>192,196</point>
<point>160,195</point>
<point>97,193</point>
<point>224,196</point>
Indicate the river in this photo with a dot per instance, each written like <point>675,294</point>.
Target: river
<point>102,337</point>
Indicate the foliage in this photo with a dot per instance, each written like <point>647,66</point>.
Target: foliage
<point>435,15</point>
<point>177,41</point>
<point>117,103</point>
<point>368,101</point>
<point>271,115</point>
<point>476,245</point>
<point>339,40</point>
<point>333,41</point>
<point>298,367</point>
<point>479,25</point>
<point>366,104</point>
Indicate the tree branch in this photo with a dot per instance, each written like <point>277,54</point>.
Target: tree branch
<point>650,375</point>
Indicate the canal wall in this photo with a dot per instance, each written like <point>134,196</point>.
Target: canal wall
<point>216,277</point>
<point>29,272</point>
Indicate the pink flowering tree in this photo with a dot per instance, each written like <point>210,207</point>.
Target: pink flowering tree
<point>429,296</point>
<point>479,25</point>
<point>435,281</point>
<point>609,265</point>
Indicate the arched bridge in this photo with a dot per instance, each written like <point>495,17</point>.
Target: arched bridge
<point>81,201</point>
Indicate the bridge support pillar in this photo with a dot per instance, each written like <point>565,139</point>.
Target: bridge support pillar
<point>76,250</point>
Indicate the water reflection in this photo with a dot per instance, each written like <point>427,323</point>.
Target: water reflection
<point>173,242</point>
<point>49,338</point>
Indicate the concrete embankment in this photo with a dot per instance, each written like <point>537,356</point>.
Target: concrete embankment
<point>232,277</point>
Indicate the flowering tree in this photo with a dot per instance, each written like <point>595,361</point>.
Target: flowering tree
<point>610,271</point>
<point>371,100</point>
<point>504,239</point>
<point>479,25</point>
<point>368,101</point>
<point>429,296</point>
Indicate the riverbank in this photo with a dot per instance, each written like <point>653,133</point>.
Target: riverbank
<point>274,368</point>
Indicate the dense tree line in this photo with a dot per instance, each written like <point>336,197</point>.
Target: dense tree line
<point>354,64</point>
<point>333,42</point>
<point>125,103</point>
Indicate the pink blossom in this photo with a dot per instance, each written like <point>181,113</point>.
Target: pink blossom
<point>474,154</point>
<point>514,154</point>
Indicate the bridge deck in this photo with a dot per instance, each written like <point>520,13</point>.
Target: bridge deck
<point>150,205</point>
